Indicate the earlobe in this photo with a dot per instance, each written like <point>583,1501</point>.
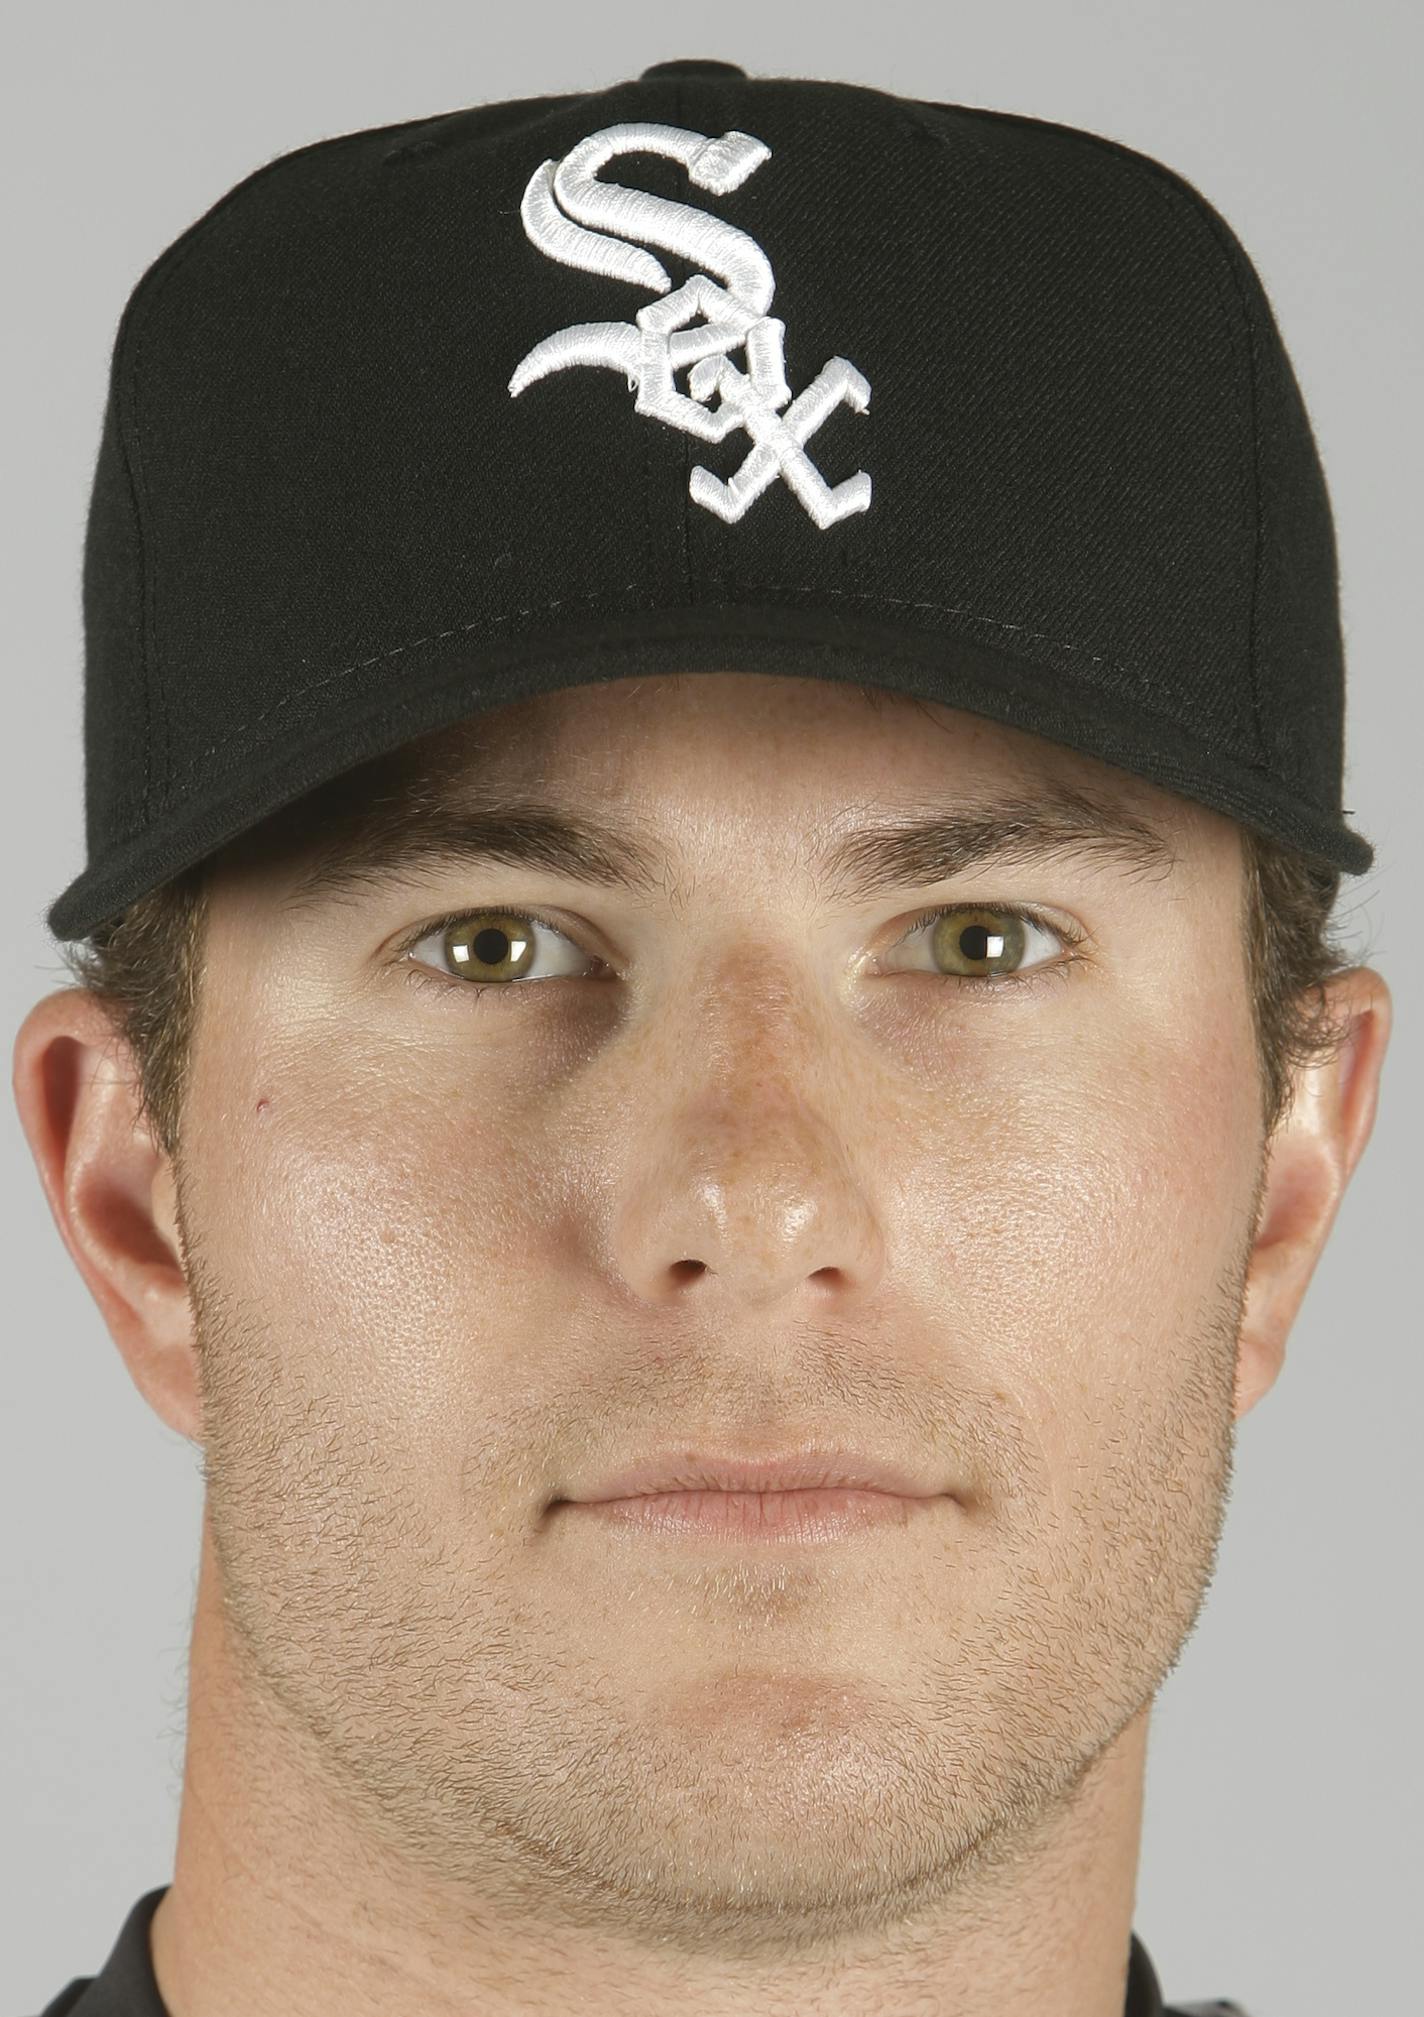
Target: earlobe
<point>1309,1163</point>
<point>110,1191</point>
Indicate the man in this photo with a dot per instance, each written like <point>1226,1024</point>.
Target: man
<point>692,1101</point>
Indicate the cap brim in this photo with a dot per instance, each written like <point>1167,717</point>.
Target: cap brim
<point>815,643</point>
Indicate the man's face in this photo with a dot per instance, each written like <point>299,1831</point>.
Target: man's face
<point>739,1165</point>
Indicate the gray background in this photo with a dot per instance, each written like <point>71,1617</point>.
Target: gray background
<point>1281,1856</point>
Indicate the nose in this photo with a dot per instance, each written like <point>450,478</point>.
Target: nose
<point>749,1171</point>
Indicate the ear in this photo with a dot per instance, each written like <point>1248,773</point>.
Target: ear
<point>112,1193</point>
<point>1310,1160</point>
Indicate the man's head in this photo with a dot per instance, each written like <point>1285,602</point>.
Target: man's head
<point>750,1157</point>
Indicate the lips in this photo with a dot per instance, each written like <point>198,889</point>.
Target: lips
<point>807,1469</point>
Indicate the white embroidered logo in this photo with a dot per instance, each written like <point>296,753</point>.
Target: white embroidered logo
<point>665,337</point>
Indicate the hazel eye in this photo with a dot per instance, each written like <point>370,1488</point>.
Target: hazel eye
<point>494,947</point>
<point>972,942</point>
<point>984,947</point>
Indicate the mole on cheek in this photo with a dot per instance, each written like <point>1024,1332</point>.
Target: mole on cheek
<point>263,1104</point>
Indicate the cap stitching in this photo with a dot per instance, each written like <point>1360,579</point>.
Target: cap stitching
<point>434,637</point>
<point>1324,821</point>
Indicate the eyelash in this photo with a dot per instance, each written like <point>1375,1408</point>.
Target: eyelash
<point>1059,969</point>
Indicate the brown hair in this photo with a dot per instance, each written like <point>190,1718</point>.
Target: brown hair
<point>146,966</point>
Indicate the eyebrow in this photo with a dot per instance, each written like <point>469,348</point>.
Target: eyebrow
<point>403,839</point>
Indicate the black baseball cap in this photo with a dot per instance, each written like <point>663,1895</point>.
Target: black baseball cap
<point>700,372</point>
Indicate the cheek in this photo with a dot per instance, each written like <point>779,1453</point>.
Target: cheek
<point>1081,1199</point>
<point>371,1233</point>
<point>1063,1202</point>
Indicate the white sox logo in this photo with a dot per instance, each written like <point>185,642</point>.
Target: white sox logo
<point>665,337</point>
